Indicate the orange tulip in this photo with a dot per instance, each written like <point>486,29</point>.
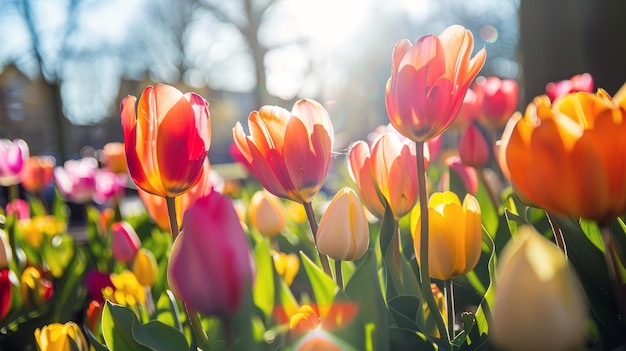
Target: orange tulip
<point>37,173</point>
<point>429,81</point>
<point>114,157</point>
<point>289,152</point>
<point>567,157</point>
<point>390,168</point>
<point>166,139</point>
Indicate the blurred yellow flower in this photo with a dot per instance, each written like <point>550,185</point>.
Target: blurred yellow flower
<point>287,265</point>
<point>34,288</point>
<point>33,229</point>
<point>126,290</point>
<point>266,213</point>
<point>61,337</point>
<point>145,267</point>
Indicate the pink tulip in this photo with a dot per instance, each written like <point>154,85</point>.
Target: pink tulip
<point>580,82</point>
<point>77,179</point>
<point>210,266</point>
<point>124,242</point>
<point>19,208</point>
<point>109,187</point>
<point>95,281</point>
<point>473,147</point>
<point>13,155</point>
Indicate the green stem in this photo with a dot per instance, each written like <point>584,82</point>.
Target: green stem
<point>614,262</point>
<point>423,264</point>
<point>310,214</point>
<point>397,262</point>
<point>492,195</point>
<point>192,315</point>
<point>228,333</point>
<point>14,192</point>
<point>450,307</point>
<point>338,274</point>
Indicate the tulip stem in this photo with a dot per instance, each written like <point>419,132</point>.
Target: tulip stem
<point>488,186</point>
<point>14,192</point>
<point>615,262</point>
<point>192,315</point>
<point>396,253</point>
<point>228,333</point>
<point>338,274</point>
<point>558,235</point>
<point>310,214</point>
<point>450,304</point>
<point>427,292</point>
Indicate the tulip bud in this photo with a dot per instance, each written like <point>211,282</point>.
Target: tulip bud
<point>13,155</point>
<point>267,213</point>
<point>124,242</point>
<point>57,336</point>
<point>287,265</point>
<point>6,254</point>
<point>210,267</point>
<point>114,157</point>
<point>18,208</point>
<point>37,173</point>
<point>538,303</point>
<point>145,267</point>
<point>343,232</point>
<point>34,288</point>
<point>440,299</point>
<point>473,147</point>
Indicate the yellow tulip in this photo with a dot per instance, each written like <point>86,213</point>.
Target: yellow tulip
<point>126,289</point>
<point>343,233</point>
<point>267,213</point>
<point>145,267</point>
<point>287,265</point>
<point>60,337</point>
<point>440,299</point>
<point>455,234</point>
<point>538,303</point>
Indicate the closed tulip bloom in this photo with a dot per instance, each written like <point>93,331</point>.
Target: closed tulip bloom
<point>37,173</point>
<point>286,265</point>
<point>6,293</point>
<point>210,267</point>
<point>440,299</point>
<point>304,320</point>
<point>35,289</point>
<point>385,168</point>
<point>288,151</point>
<point>455,234</point>
<point>113,157</point>
<point>13,155</point>
<point>429,81</point>
<point>61,337</point>
<point>579,82</point>
<point>473,147</point>
<point>124,242</point>
<point>77,179</point>
<point>538,303</point>
<point>19,208</point>
<point>6,253</point>
<point>267,213</point>
<point>109,188</point>
<point>499,99</point>
<point>145,267</point>
<point>343,232</point>
<point>166,139</point>
<point>562,157</point>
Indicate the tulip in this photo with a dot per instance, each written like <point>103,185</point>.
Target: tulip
<point>109,188</point>
<point>77,179</point>
<point>267,213</point>
<point>343,232</point>
<point>579,82</point>
<point>538,304</point>
<point>114,157</point>
<point>13,155</point>
<point>95,281</point>
<point>320,340</point>
<point>61,337</point>
<point>157,206</point>
<point>289,152</point>
<point>454,233</point>
<point>286,265</point>
<point>6,253</point>
<point>470,111</point>
<point>35,289</point>
<point>124,242</point>
<point>145,267</point>
<point>467,175</point>
<point>385,170</point>
<point>18,208</point>
<point>440,299</point>
<point>473,147</point>
<point>499,100</point>
<point>126,290</point>
<point>6,292</point>
<point>562,157</point>
<point>429,81</point>
<point>93,316</point>
<point>210,267</point>
<point>166,140</point>
<point>37,173</point>
<point>34,229</point>
<point>304,320</point>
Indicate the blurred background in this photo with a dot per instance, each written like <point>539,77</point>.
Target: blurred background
<point>65,65</point>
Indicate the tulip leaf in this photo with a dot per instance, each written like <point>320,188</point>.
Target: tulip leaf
<point>58,252</point>
<point>484,310</point>
<point>263,290</point>
<point>592,231</point>
<point>488,210</point>
<point>392,265</point>
<point>405,311</point>
<point>117,328</point>
<point>167,310</point>
<point>159,336</point>
<point>406,339</point>
<point>372,308</point>
<point>94,342</point>
<point>323,286</point>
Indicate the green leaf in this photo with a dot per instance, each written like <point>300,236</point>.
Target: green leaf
<point>484,310</point>
<point>388,229</point>
<point>159,337</point>
<point>93,341</point>
<point>372,312</point>
<point>58,252</point>
<point>263,291</point>
<point>406,339</point>
<point>323,286</point>
<point>405,310</point>
<point>592,231</point>
<point>167,310</point>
